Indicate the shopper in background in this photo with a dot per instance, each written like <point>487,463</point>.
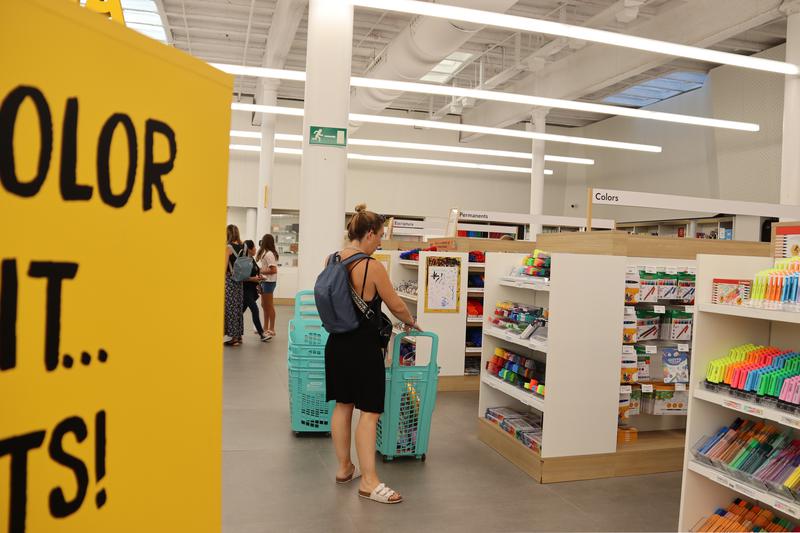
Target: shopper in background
<point>234,322</point>
<point>354,367</point>
<point>268,261</point>
<point>251,288</point>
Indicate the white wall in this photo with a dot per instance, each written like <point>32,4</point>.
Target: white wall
<point>399,188</point>
<point>697,161</point>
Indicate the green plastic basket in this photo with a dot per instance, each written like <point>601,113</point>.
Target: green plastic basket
<point>310,412</point>
<point>404,429</point>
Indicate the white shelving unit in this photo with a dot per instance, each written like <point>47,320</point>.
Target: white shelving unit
<point>448,326</point>
<point>719,328</point>
<point>581,356</point>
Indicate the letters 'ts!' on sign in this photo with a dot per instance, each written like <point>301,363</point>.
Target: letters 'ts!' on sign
<point>113,177</point>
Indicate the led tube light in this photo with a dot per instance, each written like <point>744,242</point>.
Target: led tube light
<point>404,160</point>
<point>489,18</point>
<point>484,130</point>
<point>500,96</point>
<point>425,147</point>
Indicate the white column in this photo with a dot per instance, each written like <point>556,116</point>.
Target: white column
<point>790,156</point>
<point>537,125</point>
<point>250,225</point>
<point>327,103</point>
<point>265,163</point>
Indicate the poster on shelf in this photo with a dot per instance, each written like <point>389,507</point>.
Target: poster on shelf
<point>443,285</point>
<point>109,420</point>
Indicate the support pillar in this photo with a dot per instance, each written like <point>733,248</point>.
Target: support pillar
<point>790,155</point>
<point>265,164</point>
<point>249,225</point>
<point>537,124</point>
<point>327,104</point>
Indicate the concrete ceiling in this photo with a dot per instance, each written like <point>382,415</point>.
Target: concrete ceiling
<point>235,31</point>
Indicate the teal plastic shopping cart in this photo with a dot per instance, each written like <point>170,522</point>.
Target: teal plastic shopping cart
<point>310,413</point>
<point>404,429</point>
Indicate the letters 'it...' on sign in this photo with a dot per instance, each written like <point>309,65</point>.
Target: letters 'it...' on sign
<point>109,419</point>
<point>327,136</point>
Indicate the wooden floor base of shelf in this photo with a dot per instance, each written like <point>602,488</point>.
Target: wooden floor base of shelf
<point>458,383</point>
<point>655,452</point>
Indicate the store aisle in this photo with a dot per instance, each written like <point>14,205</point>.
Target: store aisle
<point>276,482</point>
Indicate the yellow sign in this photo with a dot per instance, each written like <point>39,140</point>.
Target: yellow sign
<point>110,8</point>
<point>113,165</point>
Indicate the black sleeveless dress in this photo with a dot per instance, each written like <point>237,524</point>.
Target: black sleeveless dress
<point>354,363</point>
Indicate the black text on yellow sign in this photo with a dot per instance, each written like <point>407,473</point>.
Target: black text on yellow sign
<point>112,203</point>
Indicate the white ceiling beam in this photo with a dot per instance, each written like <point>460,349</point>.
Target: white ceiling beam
<point>699,23</point>
<point>285,20</point>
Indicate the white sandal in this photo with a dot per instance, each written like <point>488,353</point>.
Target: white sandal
<point>381,494</point>
<point>355,475</point>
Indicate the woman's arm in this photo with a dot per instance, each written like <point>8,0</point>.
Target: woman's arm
<point>389,296</point>
<point>228,253</point>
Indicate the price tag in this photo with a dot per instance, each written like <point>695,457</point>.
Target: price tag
<point>753,410</point>
<point>650,349</point>
<point>630,310</point>
<point>683,347</point>
<point>625,389</point>
<point>650,269</point>
<point>659,309</point>
<point>747,491</point>
<point>680,386</point>
<point>786,507</point>
<point>672,270</point>
<point>730,404</point>
<point>631,270</point>
<point>789,421</point>
<point>688,309</point>
<point>647,387</point>
<point>628,349</point>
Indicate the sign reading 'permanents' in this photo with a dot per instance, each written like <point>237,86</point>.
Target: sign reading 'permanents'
<point>113,165</point>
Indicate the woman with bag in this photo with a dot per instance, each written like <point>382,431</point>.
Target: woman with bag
<point>251,289</point>
<point>267,259</point>
<point>354,361</point>
<point>234,321</point>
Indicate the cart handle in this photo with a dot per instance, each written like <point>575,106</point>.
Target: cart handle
<point>400,336</point>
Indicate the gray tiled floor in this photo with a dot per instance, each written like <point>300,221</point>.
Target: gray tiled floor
<point>274,481</point>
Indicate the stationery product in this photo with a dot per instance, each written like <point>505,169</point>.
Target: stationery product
<point>516,317</point>
<point>676,326</point>
<point>686,286</point>
<point>474,308</point>
<point>407,287</point>
<point>526,373</point>
<point>648,325</point>
<point>742,515</point>
<point>668,286</point>
<point>525,427</point>
<point>477,257</point>
<point>627,435</point>
<point>629,330</point>
<point>632,287</point>
<point>630,368</point>
<point>665,401</point>
<point>675,365</point>
<point>535,265</point>
<point>730,291</point>
<point>648,286</point>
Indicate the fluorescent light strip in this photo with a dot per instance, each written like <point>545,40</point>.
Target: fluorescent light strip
<point>539,101</point>
<point>425,147</point>
<point>484,130</point>
<point>503,20</point>
<point>404,160</point>
<point>499,96</point>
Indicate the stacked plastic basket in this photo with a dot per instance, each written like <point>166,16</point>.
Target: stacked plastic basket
<point>404,429</point>
<point>306,361</point>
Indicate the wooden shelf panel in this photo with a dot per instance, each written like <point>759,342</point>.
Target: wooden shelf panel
<point>751,312</point>
<point>750,408</point>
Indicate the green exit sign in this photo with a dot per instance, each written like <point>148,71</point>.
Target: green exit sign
<point>327,136</point>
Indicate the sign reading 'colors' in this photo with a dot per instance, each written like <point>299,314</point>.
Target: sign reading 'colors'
<point>110,420</point>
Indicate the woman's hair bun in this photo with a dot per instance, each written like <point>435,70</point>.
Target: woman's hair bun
<point>361,208</point>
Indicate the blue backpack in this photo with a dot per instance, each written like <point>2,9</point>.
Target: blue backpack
<point>334,296</point>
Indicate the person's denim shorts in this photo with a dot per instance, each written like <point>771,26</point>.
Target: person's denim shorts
<point>268,287</point>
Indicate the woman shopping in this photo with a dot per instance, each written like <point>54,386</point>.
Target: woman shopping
<point>251,287</point>
<point>354,366</point>
<point>267,258</point>
<point>234,323</point>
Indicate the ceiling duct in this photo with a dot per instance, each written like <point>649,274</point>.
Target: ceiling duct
<point>416,50</point>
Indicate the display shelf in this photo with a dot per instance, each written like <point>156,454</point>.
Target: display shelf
<point>409,297</point>
<point>477,266</point>
<point>771,499</point>
<point>749,408</point>
<point>473,350</point>
<point>521,283</point>
<point>477,320</point>
<point>475,290</point>
<point>529,399</point>
<point>515,339</point>
<point>751,312</point>
<point>408,263</point>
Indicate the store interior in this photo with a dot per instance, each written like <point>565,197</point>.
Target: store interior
<point>591,208</point>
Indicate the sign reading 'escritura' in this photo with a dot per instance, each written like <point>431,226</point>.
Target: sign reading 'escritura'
<point>110,419</point>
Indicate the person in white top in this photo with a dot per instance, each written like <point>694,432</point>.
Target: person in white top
<point>267,259</point>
